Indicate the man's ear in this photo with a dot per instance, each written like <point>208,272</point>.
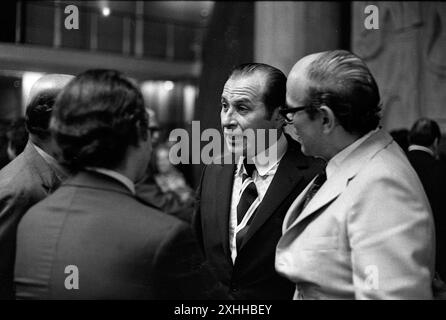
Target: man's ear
<point>328,118</point>
<point>278,118</point>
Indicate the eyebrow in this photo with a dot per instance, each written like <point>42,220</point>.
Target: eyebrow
<point>243,100</point>
<point>238,101</point>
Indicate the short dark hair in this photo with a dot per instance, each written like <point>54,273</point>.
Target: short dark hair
<point>275,84</point>
<point>342,81</point>
<point>17,135</point>
<point>38,113</point>
<point>96,117</point>
<point>424,132</point>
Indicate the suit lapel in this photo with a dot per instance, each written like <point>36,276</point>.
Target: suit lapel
<point>288,175</point>
<point>329,191</point>
<point>337,183</point>
<point>293,211</point>
<point>222,202</point>
<point>41,168</point>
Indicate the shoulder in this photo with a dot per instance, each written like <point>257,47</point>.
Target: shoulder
<point>16,177</point>
<point>147,217</point>
<point>389,174</point>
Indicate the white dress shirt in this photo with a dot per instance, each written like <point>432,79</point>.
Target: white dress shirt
<point>416,147</point>
<point>262,176</point>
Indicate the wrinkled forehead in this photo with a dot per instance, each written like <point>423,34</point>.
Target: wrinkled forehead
<point>245,87</point>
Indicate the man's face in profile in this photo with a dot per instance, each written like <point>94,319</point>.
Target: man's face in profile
<point>242,108</point>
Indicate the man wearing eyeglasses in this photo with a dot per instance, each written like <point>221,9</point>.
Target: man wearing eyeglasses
<point>242,204</point>
<point>363,229</point>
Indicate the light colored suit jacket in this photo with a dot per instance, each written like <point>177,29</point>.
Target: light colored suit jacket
<point>367,233</point>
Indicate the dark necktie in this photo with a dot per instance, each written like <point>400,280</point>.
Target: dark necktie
<point>318,182</point>
<point>248,196</point>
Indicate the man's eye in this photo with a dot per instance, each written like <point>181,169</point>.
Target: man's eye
<point>224,105</point>
<point>242,108</point>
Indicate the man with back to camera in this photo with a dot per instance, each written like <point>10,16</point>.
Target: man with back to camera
<point>241,205</point>
<point>31,176</point>
<point>363,229</point>
<point>92,238</point>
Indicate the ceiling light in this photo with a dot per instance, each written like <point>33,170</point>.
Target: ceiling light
<point>168,85</point>
<point>106,11</point>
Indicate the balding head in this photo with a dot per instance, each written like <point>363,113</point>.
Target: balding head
<point>301,66</point>
<point>341,81</point>
<point>40,104</point>
<point>298,81</point>
<point>48,83</point>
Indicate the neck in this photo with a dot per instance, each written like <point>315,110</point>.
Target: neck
<point>133,166</point>
<point>44,144</point>
<point>339,143</point>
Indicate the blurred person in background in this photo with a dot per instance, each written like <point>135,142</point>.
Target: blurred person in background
<point>31,176</point>
<point>17,138</point>
<point>150,192</point>
<point>424,138</point>
<point>169,178</point>
<point>401,136</point>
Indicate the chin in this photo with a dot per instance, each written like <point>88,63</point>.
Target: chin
<point>234,147</point>
<point>305,150</point>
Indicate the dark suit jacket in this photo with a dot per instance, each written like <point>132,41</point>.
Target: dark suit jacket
<point>253,275</point>
<point>150,193</point>
<point>432,174</point>
<point>121,248</point>
<point>23,182</point>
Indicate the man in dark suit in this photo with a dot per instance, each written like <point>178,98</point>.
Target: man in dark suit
<point>31,176</point>
<point>92,238</point>
<point>241,205</point>
<point>424,138</point>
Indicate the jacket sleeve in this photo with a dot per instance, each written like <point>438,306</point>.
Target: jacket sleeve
<point>391,235</point>
<point>13,205</point>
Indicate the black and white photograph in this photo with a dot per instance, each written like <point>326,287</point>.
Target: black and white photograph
<point>223,158</point>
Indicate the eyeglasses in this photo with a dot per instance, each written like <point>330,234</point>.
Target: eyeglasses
<point>286,111</point>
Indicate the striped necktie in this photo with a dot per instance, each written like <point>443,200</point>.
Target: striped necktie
<point>247,204</point>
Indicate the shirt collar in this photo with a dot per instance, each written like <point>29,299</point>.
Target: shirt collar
<point>265,163</point>
<point>117,176</point>
<point>421,148</point>
<point>51,161</point>
<point>335,162</point>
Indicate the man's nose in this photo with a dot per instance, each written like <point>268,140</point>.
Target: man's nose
<point>228,119</point>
